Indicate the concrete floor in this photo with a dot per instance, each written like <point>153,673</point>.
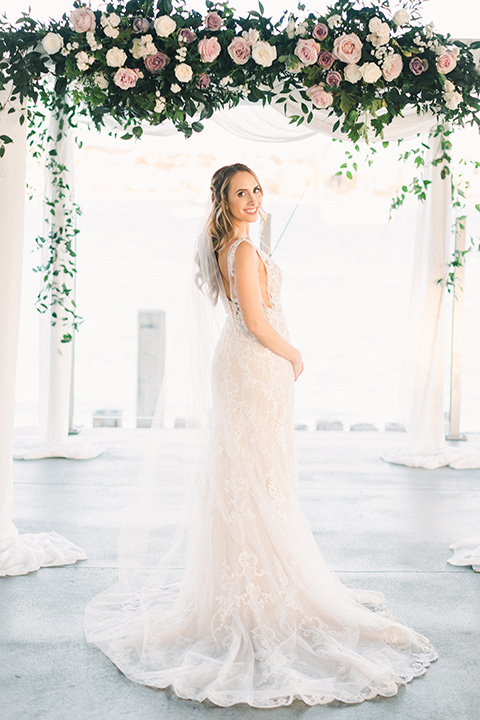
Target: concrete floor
<point>381,526</point>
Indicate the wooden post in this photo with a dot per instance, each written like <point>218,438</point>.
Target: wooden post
<point>151,363</point>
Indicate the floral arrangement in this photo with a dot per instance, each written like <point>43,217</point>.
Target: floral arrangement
<point>155,60</point>
<point>146,60</point>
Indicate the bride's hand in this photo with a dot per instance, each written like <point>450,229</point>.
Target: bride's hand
<point>297,366</point>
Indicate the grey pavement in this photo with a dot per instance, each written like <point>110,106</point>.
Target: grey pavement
<point>380,526</point>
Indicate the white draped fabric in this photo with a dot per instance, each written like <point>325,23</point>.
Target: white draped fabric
<point>466,552</point>
<point>19,554</point>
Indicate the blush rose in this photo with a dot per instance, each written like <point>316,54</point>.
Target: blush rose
<point>333,78</point>
<point>348,48</point>
<point>320,97</point>
<point>209,49</point>
<point>446,62</point>
<point>126,78</point>
<point>307,51</point>
<point>239,50</point>
<point>392,67</point>
<point>82,19</point>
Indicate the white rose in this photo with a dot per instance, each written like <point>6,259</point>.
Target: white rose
<point>138,48</point>
<point>114,20</point>
<point>164,25</point>
<point>175,88</point>
<point>291,29</point>
<point>52,43</point>
<point>401,17</point>
<point>301,29</point>
<point>183,72</point>
<point>101,81</point>
<point>159,105</point>
<point>352,73</point>
<point>82,60</point>
<point>449,87</point>
<point>374,24</point>
<point>110,31</point>
<point>452,99</point>
<point>252,36</point>
<point>334,21</point>
<point>116,57</point>
<point>263,53</point>
<point>371,72</point>
<point>381,34</point>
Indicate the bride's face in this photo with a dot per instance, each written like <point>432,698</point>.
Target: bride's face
<point>244,198</point>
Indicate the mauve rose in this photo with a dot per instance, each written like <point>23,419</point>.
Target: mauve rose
<point>326,59</point>
<point>333,78</point>
<point>83,20</point>
<point>320,31</point>
<point>392,67</point>
<point>348,48</point>
<point>446,62</point>
<point>140,25</point>
<point>319,97</point>
<point>213,21</point>
<point>186,36</point>
<point>155,63</point>
<point>307,51</point>
<point>209,49</point>
<point>418,65</point>
<point>239,50</point>
<point>203,81</point>
<point>126,78</point>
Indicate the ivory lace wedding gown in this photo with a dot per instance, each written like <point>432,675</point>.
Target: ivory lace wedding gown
<point>258,618</point>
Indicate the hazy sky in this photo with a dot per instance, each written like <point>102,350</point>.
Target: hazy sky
<point>461,18</point>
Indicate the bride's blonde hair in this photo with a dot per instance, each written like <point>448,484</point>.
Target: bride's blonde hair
<point>220,225</point>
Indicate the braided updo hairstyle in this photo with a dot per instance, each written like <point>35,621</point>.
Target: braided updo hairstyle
<point>220,225</point>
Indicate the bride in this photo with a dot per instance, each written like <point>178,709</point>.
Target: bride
<point>258,617</point>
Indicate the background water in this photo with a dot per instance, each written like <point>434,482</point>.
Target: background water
<point>347,273</point>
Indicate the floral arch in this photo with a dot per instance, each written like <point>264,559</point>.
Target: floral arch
<point>359,71</point>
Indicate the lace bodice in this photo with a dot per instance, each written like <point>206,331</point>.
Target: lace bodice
<point>273,311</point>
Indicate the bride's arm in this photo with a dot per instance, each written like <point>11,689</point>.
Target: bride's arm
<point>250,301</point>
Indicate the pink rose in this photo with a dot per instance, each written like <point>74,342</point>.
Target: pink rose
<point>83,20</point>
<point>348,48</point>
<point>418,65</point>
<point>319,97</point>
<point>126,78</point>
<point>326,59</point>
<point>209,49</point>
<point>155,63</point>
<point>392,67</point>
<point>307,51</point>
<point>333,78</point>
<point>140,25</point>
<point>320,31</point>
<point>203,81</point>
<point>213,21</point>
<point>186,36</point>
<point>239,50</point>
<point>446,62</point>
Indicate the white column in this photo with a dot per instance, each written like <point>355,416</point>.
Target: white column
<point>12,211</point>
<point>55,356</point>
<point>19,554</point>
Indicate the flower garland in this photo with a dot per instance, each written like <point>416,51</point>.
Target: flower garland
<point>140,60</point>
<point>155,60</point>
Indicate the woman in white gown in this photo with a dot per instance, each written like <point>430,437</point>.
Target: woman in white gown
<point>258,617</point>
